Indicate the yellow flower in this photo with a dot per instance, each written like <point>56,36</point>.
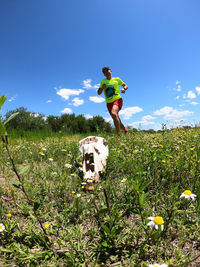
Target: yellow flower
<point>163,161</point>
<point>68,165</point>
<point>31,153</point>
<point>46,225</point>
<point>187,194</point>
<point>9,215</point>
<point>156,222</point>
<point>2,227</point>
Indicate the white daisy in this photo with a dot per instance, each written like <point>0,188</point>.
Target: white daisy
<point>156,222</point>
<point>188,195</point>
<point>68,165</point>
<point>2,227</point>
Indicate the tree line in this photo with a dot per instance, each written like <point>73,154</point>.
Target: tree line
<point>66,123</point>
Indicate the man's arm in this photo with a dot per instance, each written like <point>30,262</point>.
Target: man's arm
<point>100,90</point>
<point>125,87</point>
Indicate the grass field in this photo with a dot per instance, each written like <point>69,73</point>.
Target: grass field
<point>134,217</point>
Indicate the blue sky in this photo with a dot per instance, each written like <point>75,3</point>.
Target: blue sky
<point>52,53</point>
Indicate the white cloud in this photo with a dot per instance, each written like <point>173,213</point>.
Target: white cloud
<point>170,113</point>
<point>96,86</point>
<point>88,116</point>
<point>128,112</point>
<point>12,98</point>
<point>96,99</point>
<point>142,122</point>
<point>87,84</point>
<point>178,96</point>
<point>190,95</point>
<point>49,101</point>
<point>66,110</point>
<point>108,120</point>
<point>35,114</point>
<point>178,88</point>
<point>148,117</point>
<point>77,101</point>
<point>194,103</point>
<point>198,90</point>
<point>66,93</point>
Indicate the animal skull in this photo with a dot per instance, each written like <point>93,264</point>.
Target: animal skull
<point>95,152</point>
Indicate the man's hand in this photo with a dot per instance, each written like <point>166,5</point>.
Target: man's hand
<point>100,90</point>
<point>125,87</point>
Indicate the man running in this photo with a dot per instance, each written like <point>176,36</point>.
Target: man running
<point>110,87</point>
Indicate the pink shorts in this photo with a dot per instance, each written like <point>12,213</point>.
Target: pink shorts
<point>118,102</point>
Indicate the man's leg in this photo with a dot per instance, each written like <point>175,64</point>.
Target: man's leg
<point>117,122</point>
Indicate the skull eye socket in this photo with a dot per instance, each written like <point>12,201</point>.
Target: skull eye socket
<point>91,159</point>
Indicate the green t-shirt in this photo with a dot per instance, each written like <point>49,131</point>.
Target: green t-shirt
<point>111,91</point>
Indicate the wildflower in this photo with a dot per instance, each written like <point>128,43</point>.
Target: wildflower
<point>80,168</point>
<point>2,227</point>
<point>156,222</point>
<point>73,192</point>
<point>84,183</point>
<point>9,215</point>
<point>46,225</point>
<point>63,150</point>
<point>188,195</point>
<point>50,159</point>
<point>163,161</point>
<point>31,153</point>
<point>68,165</point>
<point>78,195</point>
<point>123,180</point>
<point>42,154</point>
<point>158,265</point>
<point>44,148</point>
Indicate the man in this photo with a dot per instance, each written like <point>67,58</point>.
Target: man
<point>110,87</point>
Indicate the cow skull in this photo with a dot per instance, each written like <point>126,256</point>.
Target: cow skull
<point>95,152</point>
